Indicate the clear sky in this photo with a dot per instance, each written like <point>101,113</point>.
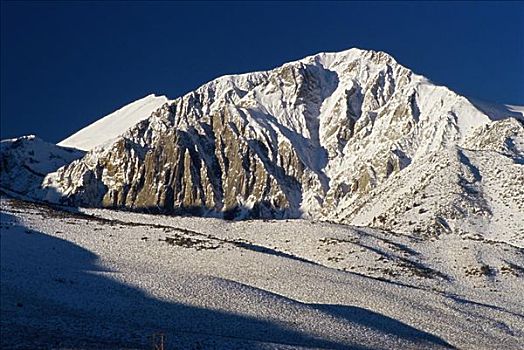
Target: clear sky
<point>66,64</point>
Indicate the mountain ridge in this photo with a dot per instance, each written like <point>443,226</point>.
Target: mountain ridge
<point>326,137</point>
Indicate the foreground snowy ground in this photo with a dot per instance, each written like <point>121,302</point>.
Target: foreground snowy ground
<point>106,279</point>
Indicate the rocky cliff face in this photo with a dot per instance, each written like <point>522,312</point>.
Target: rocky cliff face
<point>350,137</point>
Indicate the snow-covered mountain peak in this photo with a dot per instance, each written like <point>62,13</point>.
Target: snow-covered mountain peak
<point>104,130</point>
<point>352,137</point>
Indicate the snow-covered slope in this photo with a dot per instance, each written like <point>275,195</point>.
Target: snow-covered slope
<point>25,161</point>
<point>106,129</point>
<point>111,280</point>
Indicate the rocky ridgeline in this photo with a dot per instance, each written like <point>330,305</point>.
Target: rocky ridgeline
<point>351,137</point>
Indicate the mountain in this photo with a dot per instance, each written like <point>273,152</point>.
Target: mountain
<point>25,161</point>
<point>105,130</point>
<point>351,137</point>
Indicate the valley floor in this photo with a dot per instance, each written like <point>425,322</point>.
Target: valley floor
<point>95,279</point>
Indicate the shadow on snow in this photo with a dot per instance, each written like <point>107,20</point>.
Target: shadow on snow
<point>55,294</point>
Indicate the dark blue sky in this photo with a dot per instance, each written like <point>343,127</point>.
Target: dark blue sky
<point>65,64</point>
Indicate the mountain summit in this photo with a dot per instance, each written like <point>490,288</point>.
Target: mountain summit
<point>351,137</point>
<point>105,130</point>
